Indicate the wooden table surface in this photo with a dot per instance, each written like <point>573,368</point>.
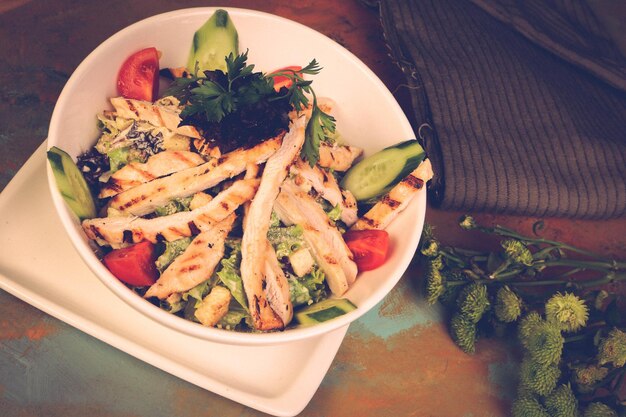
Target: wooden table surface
<point>396,361</point>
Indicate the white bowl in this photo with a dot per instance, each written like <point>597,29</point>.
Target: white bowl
<point>367,115</point>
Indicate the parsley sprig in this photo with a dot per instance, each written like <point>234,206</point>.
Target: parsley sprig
<point>215,94</point>
<point>321,125</point>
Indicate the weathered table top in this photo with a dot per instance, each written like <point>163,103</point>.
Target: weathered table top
<point>396,361</point>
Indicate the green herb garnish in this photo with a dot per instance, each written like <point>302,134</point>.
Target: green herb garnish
<point>215,95</point>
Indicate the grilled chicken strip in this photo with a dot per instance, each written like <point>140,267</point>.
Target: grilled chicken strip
<point>294,206</point>
<point>339,158</point>
<point>163,163</point>
<point>116,230</point>
<point>155,114</point>
<point>396,200</point>
<point>277,289</point>
<point>256,224</point>
<point>145,198</point>
<point>196,264</point>
<point>326,185</point>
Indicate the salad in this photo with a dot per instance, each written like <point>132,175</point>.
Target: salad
<point>230,199</point>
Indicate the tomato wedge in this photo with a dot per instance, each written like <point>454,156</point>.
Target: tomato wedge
<point>281,81</point>
<point>369,247</point>
<point>133,265</point>
<point>138,77</point>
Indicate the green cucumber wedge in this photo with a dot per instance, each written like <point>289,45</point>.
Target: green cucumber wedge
<point>377,173</point>
<point>324,310</point>
<point>215,40</point>
<point>71,184</point>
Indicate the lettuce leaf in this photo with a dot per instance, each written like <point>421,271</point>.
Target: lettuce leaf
<point>298,292</point>
<point>285,240</point>
<point>118,158</point>
<point>236,314</point>
<point>274,220</point>
<point>309,289</point>
<point>172,250</point>
<point>335,213</point>
<point>173,303</point>
<point>194,297</point>
<point>230,275</point>
<point>314,282</point>
<point>174,206</point>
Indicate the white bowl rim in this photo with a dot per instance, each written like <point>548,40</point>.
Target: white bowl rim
<point>173,321</point>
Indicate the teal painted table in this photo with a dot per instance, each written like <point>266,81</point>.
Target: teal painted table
<point>395,361</point>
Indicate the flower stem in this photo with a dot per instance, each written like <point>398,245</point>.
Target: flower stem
<point>593,265</point>
<point>607,279</point>
<point>503,231</point>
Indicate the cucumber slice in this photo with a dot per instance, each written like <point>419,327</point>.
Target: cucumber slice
<point>216,39</point>
<point>324,310</point>
<point>71,184</point>
<point>377,173</point>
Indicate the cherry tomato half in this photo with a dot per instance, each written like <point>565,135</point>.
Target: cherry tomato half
<point>281,81</point>
<point>369,247</point>
<point>138,77</point>
<point>133,265</point>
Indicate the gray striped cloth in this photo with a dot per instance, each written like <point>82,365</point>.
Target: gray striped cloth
<point>521,105</point>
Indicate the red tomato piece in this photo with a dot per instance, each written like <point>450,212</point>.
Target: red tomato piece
<point>133,265</point>
<point>281,81</point>
<point>138,77</point>
<point>369,247</point>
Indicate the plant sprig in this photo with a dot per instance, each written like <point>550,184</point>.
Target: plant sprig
<point>490,290</point>
<point>215,95</point>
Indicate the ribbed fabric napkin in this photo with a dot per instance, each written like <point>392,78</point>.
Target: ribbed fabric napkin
<point>520,105</point>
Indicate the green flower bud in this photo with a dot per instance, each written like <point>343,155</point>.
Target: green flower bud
<point>436,263</point>
<point>473,301</point>
<point>451,292</point>
<point>568,311</point>
<point>467,222</point>
<point>562,402</point>
<point>585,376</point>
<point>540,379</point>
<point>508,305</point>
<point>435,284</point>
<point>427,232</point>
<point>528,406</point>
<point>599,410</point>
<point>602,296</point>
<point>517,251</point>
<point>463,333</point>
<point>430,248</point>
<point>545,344</point>
<point>527,326</point>
<point>612,349</point>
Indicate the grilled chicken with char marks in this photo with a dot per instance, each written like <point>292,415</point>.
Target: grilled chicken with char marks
<point>326,185</point>
<point>338,157</point>
<point>294,206</point>
<point>118,230</point>
<point>196,264</point>
<point>254,251</point>
<point>277,289</point>
<point>158,165</point>
<point>145,198</point>
<point>396,200</point>
<point>157,114</point>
